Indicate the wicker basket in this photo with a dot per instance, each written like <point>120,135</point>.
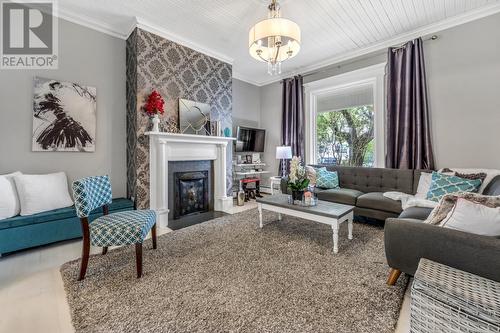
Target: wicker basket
<point>444,299</point>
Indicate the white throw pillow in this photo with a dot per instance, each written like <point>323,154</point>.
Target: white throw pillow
<point>424,184</point>
<point>40,193</point>
<point>474,218</point>
<point>9,200</point>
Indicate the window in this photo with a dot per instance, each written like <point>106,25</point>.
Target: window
<point>345,126</point>
<point>345,119</point>
<point>346,137</point>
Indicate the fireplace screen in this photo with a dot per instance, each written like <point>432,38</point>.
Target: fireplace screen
<point>191,193</point>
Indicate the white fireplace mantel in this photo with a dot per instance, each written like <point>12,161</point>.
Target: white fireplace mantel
<point>166,147</point>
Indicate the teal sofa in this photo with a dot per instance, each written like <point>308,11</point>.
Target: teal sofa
<point>23,232</point>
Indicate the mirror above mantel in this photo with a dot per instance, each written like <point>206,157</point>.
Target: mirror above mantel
<point>194,117</point>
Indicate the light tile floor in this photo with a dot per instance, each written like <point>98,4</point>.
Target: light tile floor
<point>32,296</point>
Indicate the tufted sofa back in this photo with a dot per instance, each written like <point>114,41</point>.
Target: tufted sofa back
<point>374,179</point>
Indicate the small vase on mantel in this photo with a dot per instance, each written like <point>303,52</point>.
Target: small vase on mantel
<point>154,107</point>
<point>156,122</point>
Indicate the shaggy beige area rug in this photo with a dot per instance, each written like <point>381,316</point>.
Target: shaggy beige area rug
<point>227,275</point>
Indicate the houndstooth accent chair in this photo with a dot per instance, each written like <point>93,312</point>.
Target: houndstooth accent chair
<point>117,229</point>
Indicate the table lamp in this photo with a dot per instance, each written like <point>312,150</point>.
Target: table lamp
<point>283,153</point>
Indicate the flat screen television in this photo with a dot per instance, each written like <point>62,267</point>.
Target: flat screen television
<point>250,139</point>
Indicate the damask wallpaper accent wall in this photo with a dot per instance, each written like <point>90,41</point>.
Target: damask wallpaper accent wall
<point>131,68</point>
<point>176,71</point>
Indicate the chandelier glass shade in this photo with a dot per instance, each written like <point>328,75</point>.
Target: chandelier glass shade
<point>274,39</point>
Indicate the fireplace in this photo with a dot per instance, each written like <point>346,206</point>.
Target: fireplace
<point>168,148</point>
<point>190,193</point>
<point>190,189</point>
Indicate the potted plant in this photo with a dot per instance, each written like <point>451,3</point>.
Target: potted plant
<point>154,107</point>
<point>297,179</point>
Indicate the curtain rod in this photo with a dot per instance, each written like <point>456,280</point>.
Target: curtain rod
<point>402,46</point>
<point>433,37</point>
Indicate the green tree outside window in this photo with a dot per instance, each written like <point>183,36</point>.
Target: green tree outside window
<point>346,137</point>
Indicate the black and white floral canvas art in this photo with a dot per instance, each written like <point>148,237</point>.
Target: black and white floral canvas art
<point>64,116</point>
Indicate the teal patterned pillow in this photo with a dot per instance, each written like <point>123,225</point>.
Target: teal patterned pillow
<point>326,179</point>
<point>445,184</point>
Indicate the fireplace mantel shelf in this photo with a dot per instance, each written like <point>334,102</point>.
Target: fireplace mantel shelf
<point>176,137</point>
<point>166,147</point>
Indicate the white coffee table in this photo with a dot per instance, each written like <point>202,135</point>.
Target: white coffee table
<point>330,213</point>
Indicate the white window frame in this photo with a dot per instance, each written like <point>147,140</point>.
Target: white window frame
<point>372,75</point>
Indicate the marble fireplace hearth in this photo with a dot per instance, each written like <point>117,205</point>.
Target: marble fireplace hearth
<point>170,147</point>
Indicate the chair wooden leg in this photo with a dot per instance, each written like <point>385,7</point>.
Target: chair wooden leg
<point>104,250</point>
<point>85,257</point>
<point>393,276</point>
<point>138,258</point>
<point>153,235</point>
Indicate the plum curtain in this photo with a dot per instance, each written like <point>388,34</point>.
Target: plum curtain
<point>292,125</point>
<point>409,143</point>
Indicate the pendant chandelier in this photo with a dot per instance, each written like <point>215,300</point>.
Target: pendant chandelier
<point>274,39</point>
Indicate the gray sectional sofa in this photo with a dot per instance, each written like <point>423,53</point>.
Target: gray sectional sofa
<point>364,189</point>
<point>407,238</point>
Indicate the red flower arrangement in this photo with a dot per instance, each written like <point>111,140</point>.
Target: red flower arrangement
<point>154,104</point>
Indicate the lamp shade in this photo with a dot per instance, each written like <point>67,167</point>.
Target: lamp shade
<point>267,30</point>
<point>283,152</point>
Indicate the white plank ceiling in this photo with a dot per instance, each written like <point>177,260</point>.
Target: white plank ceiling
<point>331,29</point>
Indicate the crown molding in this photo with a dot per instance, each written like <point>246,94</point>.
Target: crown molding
<point>131,27</point>
<point>238,76</point>
<point>90,23</point>
<point>423,31</point>
<point>157,30</point>
<point>140,23</point>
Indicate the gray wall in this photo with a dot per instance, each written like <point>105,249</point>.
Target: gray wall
<point>87,57</point>
<point>347,66</point>
<point>463,72</point>
<point>246,104</point>
<point>249,110</point>
<point>270,119</point>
